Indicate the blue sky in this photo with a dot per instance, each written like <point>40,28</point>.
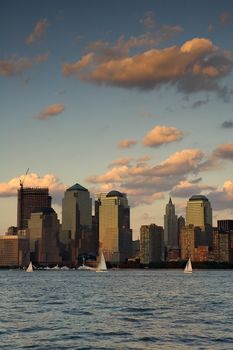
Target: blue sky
<point>134,95</point>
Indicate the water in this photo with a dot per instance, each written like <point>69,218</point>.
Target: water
<point>121,309</point>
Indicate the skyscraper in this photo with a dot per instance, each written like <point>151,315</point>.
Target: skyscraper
<point>151,244</point>
<point>115,235</point>
<point>31,200</point>
<point>170,227</point>
<point>199,211</point>
<point>76,220</point>
<point>44,237</point>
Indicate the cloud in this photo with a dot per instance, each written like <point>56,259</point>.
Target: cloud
<point>224,151</point>
<point>121,161</point>
<point>127,143</point>
<point>222,198</point>
<point>39,31</point>
<point>183,162</point>
<point>187,188</point>
<point>161,135</point>
<point>56,187</point>
<point>145,183</point>
<point>224,17</point>
<point>199,103</point>
<point>197,65</point>
<point>70,69</point>
<point>51,111</point>
<point>228,124</point>
<point>15,66</point>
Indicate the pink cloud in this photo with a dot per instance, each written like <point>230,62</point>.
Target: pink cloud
<point>224,151</point>
<point>74,68</point>
<point>127,143</point>
<point>194,66</point>
<point>161,135</point>
<point>145,183</point>
<point>186,189</point>
<point>121,161</point>
<point>39,31</point>
<point>51,111</point>
<point>183,162</point>
<point>15,66</point>
<point>9,189</point>
<point>223,197</point>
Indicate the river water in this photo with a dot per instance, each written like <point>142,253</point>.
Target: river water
<point>120,309</point>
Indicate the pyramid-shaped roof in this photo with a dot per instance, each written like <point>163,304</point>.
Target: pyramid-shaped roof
<point>77,187</point>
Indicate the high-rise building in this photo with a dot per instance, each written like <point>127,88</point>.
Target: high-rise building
<point>225,225</point>
<point>31,200</point>
<point>115,235</point>
<point>180,224</point>
<point>170,227</point>
<point>76,221</point>
<point>195,243</point>
<point>14,251</point>
<point>151,244</point>
<point>199,211</point>
<point>43,230</point>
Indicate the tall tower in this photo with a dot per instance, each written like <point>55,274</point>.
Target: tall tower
<point>44,235</point>
<point>170,226</point>
<point>115,235</point>
<point>199,211</point>
<point>76,219</point>
<point>31,200</point>
<point>151,244</point>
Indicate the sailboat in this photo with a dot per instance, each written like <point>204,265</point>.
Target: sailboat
<point>30,267</point>
<point>102,267</point>
<point>84,267</point>
<point>188,267</point>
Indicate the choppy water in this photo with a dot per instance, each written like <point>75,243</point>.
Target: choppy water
<point>124,309</point>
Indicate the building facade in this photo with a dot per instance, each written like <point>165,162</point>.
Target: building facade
<point>199,211</point>
<point>76,221</point>
<point>14,251</point>
<point>151,244</point>
<point>31,200</point>
<point>43,228</point>
<point>170,227</point>
<point>115,235</point>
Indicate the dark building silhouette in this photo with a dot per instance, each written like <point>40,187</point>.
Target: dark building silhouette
<point>225,225</point>
<point>31,200</point>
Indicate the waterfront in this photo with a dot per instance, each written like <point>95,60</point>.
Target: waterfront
<point>121,309</point>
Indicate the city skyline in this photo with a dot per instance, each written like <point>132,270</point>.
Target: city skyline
<point>134,98</point>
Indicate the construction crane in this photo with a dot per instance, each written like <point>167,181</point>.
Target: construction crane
<point>22,181</point>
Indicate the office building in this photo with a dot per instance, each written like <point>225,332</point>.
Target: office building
<point>170,227</point>
<point>43,230</point>
<point>151,244</point>
<point>199,211</point>
<point>76,222</point>
<point>196,243</point>
<point>31,200</point>
<point>225,225</point>
<point>115,235</point>
<point>14,251</point>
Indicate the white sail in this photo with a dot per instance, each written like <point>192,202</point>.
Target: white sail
<point>102,264</point>
<point>188,267</point>
<point>30,267</point>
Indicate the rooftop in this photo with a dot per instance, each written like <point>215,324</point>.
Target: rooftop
<point>77,187</point>
<point>114,194</point>
<point>198,197</point>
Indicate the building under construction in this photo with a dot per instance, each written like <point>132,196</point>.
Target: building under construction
<point>31,200</point>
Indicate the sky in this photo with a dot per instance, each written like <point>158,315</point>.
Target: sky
<point>129,95</point>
